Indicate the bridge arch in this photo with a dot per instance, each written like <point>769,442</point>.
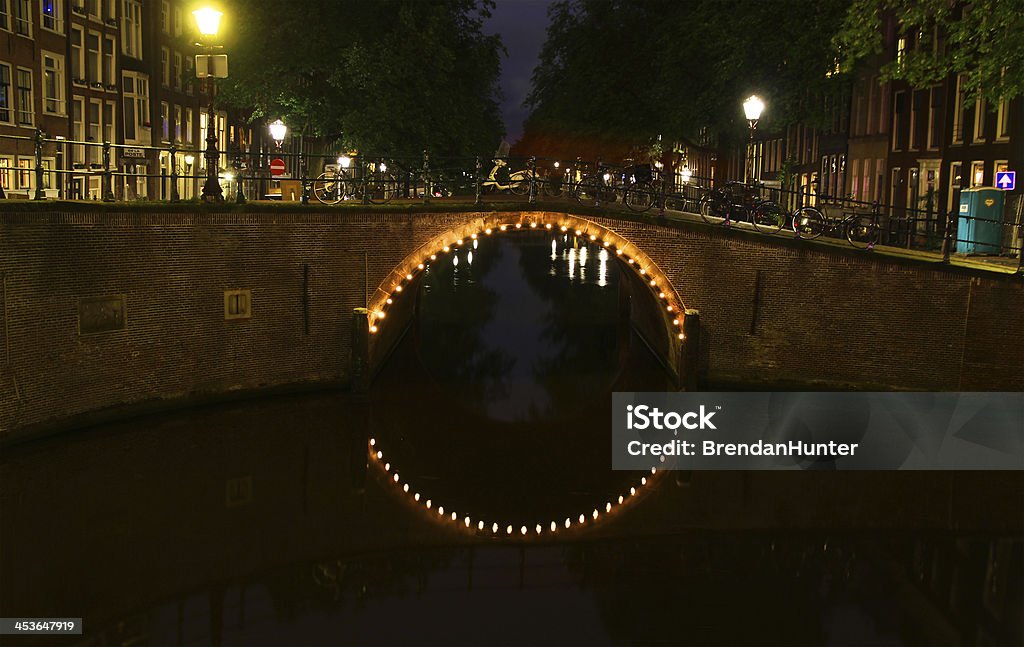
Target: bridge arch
<point>388,296</point>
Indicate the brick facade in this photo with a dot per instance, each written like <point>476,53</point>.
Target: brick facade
<point>772,310</point>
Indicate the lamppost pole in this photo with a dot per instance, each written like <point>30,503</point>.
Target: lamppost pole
<point>752,108</point>
<point>209,21</point>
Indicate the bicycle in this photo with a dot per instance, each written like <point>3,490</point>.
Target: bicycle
<point>596,187</point>
<point>860,229</point>
<point>638,187</point>
<point>765,215</point>
<point>339,182</point>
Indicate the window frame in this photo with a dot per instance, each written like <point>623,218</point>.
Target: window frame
<point>59,100</point>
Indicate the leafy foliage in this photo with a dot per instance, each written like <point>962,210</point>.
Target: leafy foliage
<point>394,76</point>
<point>641,69</point>
<point>983,39</point>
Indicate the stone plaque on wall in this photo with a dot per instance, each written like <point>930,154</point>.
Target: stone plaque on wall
<point>101,314</point>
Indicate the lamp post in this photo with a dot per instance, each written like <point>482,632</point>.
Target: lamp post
<point>208,21</point>
<point>752,108</point>
<point>278,131</point>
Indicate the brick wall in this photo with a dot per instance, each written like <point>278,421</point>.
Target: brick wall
<point>820,313</point>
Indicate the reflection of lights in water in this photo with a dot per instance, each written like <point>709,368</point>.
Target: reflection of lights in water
<point>475,242</point>
<point>602,268</point>
<point>554,249</point>
<point>572,263</point>
<point>583,256</point>
<point>469,257</point>
<point>455,260</point>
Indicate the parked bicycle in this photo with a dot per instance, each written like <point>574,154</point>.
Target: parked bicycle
<point>737,202</point>
<point>340,182</point>
<point>860,229</point>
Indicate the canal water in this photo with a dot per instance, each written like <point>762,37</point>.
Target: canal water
<point>259,522</point>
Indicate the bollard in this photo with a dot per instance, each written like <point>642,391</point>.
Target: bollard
<point>476,182</point>
<point>173,152</point>
<point>533,180</point>
<point>426,177</point>
<point>947,239</point>
<point>108,180</point>
<point>39,195</point>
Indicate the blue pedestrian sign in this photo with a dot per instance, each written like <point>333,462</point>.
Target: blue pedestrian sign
<point>1006,180</point>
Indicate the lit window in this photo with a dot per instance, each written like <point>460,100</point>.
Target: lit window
<point>52,18</point>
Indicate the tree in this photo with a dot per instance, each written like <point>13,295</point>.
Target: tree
<point>383,76</point>
<point>663,67</point>
<point>981,39</point>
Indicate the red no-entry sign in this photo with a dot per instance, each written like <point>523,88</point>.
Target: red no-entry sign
<point>276,166</point>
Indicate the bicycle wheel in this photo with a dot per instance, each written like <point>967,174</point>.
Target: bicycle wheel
<point>862,231</point>
<point>587,191</point>
<point>710,210</point>
<point>519,183</point>
<point>808,223</point>
<point>328,188</point>
<point>639,198</point>
<point>552,186</point>
<point>767,217</point>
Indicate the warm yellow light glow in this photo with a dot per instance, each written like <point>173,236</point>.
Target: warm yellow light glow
<point>643,480</point>
<point>519,225</point>
<point>398,288</point>
<point>509,530</point>
<point>607,243</point>
<point>416,497</point>
<point>618,252</point>
<point>459,242</point>
<point>564,228</point>
<point>420,266</point>
<point>408,277</point>
<point>494,528</point>
<point>668,308</point>
<point>753,107</point>
<point>632,491</point>
<point>189,160</point>
<point>578,232</point>
<point>582,518</point>
<point>487,231</point>
<point>643,271</point>
<point>473,236</point>
<point>593,237</point>
<point>440,510</point>
<point>548,226</point>
<point>538,529</point>
<point>523,530</point>
<point>278,130</point>
<point>654,470</point>
<point>405,488</point>
<point>433,257</point>
<point>446,249</point>
<point>428,504</point>
<point>681,336</point>
<point>345,161</point>
<point>630,261</point>
<point>621,499</point>
<point>661,295</point>
<point>554,526</point>
<point>373,329</point>
<point>608,507</point>
<point>380,314</point>
<point>504,227</point>
<point>208,20</point>
<point>380,455</point>
<point>455,516</point>
<point>595,513</point>
<point>373,441</point>
<point>480,526</point>
<point>467,521</point>
<point>653,283</point>
<point>533,225</point>
<point>568,522</point>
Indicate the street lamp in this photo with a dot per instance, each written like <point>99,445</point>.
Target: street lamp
<point>278,131</point>
<point>208,21</point>
<point>752,108</point>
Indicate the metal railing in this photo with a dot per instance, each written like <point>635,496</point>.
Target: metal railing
<point>87,169</point>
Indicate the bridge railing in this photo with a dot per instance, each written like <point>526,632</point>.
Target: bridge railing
<point>43,168</point>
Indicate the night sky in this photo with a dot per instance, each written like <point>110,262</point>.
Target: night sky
<point>523,26</point>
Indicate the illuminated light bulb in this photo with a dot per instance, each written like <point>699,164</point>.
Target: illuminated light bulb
<point>387,467</point>
<point>608,507</point>
<point>428,504</point>
<point>554,526</point>
<point>389,301</point>
<point>653,283</point>
<point>446,249</point>
<point>523,530</point>
<point>416,497</point>
<point>373,441</point>
<point>480,526</point>
<point>548,226</point>
<point>373,329</point>
<point>398,288</point>
<point>473,236</point>
<point>405,488</point>
<point>595,513</point>
<point>578,232</point>
<point>632,491</point>
<point>607,176</point>
<point>583,518</point>
<point>420,266</point>
<point>380,455</point>
<point>380,314</point>
<point>538,529</point>
<point>668,308</point>
<point>487,231</point>
<point>440,510</point>
<point>643,271</point>
<point>661,295</point>
<point>618,252</point>
<point>408,277</point>
<point>509,530</point>
<point>630,261</point>
<point>458,242</point>
<point>621,499</point>
<point>681,336</point>
<point>494,528</point>
<point>593,237</point>
<point>533,225</point>
<point>519,225</point>
<point>568,522</point>
<point>455,516</point>
<point>607,243</point>
<point>503,227</point>
<point>654,470</point>
<point>643,480</point>
<point>564,228</point>
<point>675,322</point>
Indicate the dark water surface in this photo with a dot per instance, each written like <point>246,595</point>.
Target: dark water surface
<point>260,522</point>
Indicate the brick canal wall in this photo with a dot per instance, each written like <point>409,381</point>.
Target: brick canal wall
<point>104,309</point>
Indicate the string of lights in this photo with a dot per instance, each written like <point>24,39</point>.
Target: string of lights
<point>493,528</point>
<point>587,230</point>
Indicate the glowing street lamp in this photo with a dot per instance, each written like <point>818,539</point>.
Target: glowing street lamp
<point>752,108</point>
<point>278,131</point>
<point>208,21</point>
